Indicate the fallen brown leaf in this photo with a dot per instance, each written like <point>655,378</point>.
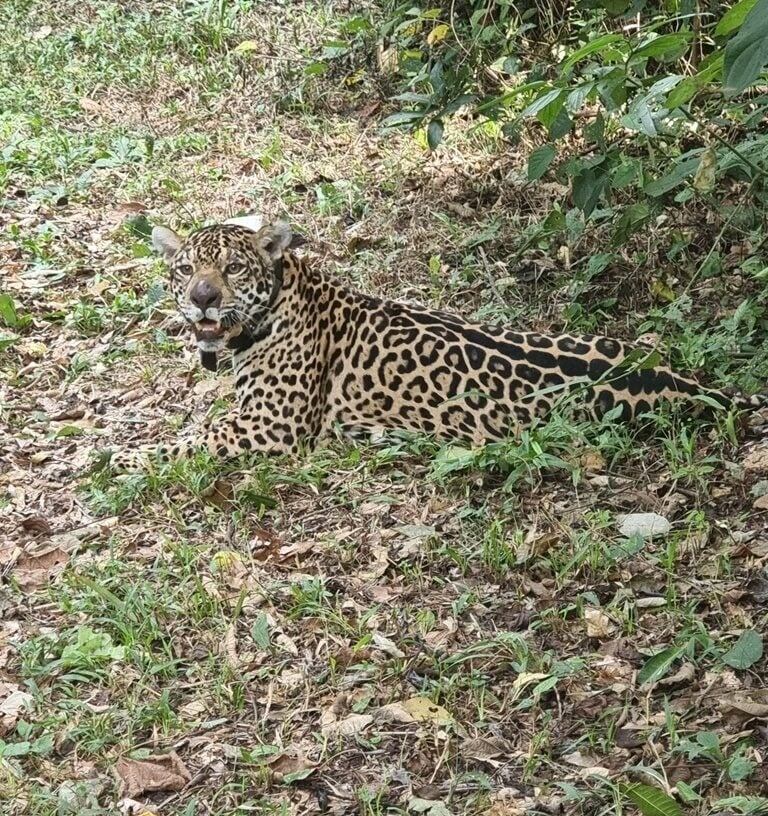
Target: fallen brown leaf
<point>599,625</point>
<point>220,494</point>
<point>8,553</point>
<point>12,702</point>
<point>162,772</point>
<point>90,105</point>
<point>761,503</point>
<point>395,712</point>
<point>682,677</point>
<point>756,461</point>
<point>229,648</point>
<point>34,571</point>
<point>37,525</point>
<point>631,737</point>
<point>486,749</point>
<point>592,461</point>
<point>349,726</point>
<point>753,702</point>
<point>291,765</point>
<point>131,207</point>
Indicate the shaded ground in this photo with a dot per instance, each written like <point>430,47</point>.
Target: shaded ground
<point>390,630</point>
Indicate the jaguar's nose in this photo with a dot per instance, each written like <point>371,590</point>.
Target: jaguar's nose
<point>205,295</point>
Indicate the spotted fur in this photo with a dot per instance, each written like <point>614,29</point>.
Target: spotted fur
<point>311,354</point>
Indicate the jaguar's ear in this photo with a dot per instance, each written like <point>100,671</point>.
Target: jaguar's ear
<point>275,238</point>
<point>253,222</point>
<point>166,242</point>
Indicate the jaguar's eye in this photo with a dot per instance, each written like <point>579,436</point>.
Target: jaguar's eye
<point>235,268</point>
<point>185,270</point>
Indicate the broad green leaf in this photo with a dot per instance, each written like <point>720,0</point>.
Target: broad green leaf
<point>600,44</point>
<point>640,118</point>
<point>667,46</point>
<point>44,745</point>
<point>612,88</point>
<point>683,169</point>
<point>458,102</point>
<point>655,668</point>
<point>69,430</point>
<point>747,650</point>
<point>316,68</point>
<point>587,186</point>
<point>335,48</point>
<point>413,97</point>
<point>626,173</point>
<point>260,632</point>
<point>687,793</point>
<point>355,25</point>
<point>747,53</point>
<point>8,314</point>
<point>662,86</point>
<point>740,768</point>
<point>615,7</point>
<point>402,118</point>
<point>690,86</point>
<point>710,402</point>
<point>477,238</point>
<point>545,686</point>
<point>545,99</point>
<point>427,807</point>
<point>578,96</point>
<point>539,161</point>
<point>651,801</point>
<point>297,776</point>
<point>683,93</point>
<point>757,805</point>
<point>554,222</point>
<point>548,114</point>
<point>631,220</point>
<point>734,17</point>
<point>560,125</point>
<point>14,749</point>
<point>452,458</point>
<point>261,752</point>
<point>247,45</point>
<point>708,740</point>
<point>139,225</point>
<point>434,133</point>
<point>640,359</point>
<point>436,79</point>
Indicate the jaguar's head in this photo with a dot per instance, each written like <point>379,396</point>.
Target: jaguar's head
<point>224,278</point>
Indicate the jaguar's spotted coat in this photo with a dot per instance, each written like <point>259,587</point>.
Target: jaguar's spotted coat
<point>311,354</point>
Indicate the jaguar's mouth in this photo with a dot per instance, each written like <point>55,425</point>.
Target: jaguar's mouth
<point>210,330</point>
<point>210,335</point>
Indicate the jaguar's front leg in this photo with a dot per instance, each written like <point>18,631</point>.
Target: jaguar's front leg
<point>143,457</point>
<point>223,437</point>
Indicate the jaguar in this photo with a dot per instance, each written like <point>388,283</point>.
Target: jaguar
<point>311,354</point>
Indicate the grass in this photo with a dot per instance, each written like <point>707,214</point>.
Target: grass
<point>235,613</point>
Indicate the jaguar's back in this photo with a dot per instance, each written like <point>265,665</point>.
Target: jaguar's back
<point>402,366</point>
